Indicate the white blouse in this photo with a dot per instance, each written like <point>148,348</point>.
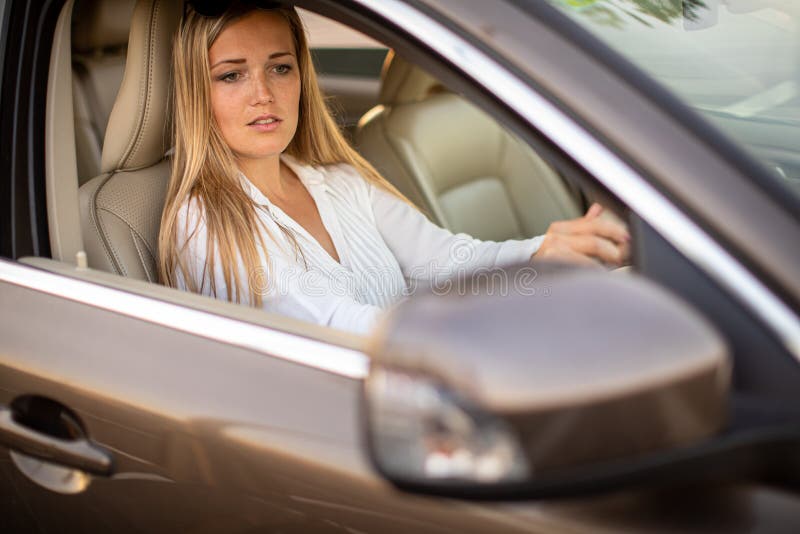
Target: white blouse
<point>388,250</point>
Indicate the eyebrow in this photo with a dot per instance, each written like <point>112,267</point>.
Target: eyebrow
<point>242,60</point>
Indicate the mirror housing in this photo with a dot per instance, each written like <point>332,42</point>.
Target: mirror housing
<point>478,391</point>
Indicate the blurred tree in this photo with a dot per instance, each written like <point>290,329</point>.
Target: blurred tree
<point>612,12</point>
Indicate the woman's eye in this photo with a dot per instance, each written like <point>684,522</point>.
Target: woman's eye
<point>230,77</point>
<point>282,69</point>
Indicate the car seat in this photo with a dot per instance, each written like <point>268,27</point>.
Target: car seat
<point>99,41</point>
<point>457,163</point>
<point>121,208</point>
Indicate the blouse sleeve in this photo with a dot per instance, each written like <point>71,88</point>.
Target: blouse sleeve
<point>428,252</point>
<point>286,287</point>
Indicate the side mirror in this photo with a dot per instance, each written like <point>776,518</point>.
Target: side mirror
<point>485,394</point>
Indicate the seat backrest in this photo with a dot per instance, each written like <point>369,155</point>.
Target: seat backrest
<point>99,41</point>
<point>457,163</point>
<point>121,208</point>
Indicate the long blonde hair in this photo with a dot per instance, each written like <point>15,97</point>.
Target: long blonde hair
<point>204,168</point>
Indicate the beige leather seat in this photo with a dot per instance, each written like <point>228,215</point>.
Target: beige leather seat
<point>99,41</point>
<point>457,163</point>
<point>121,208</point>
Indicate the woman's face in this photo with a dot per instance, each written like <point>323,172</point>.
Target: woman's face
<point>255,85</point>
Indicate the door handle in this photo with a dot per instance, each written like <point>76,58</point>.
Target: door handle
<point>78,453</point>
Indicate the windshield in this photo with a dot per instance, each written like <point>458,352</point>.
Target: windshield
<point>737,62</point>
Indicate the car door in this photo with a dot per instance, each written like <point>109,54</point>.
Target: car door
<point>213,418</point>
<point>131,408</point>
<point>689,182</point>
<point>187,417</point>
<point>178,415</point>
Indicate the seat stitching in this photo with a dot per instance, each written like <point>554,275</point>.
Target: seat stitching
<point>148,97</point>
<point>144,93</point>
<point>131,228</point>
<point>141,256</point>
<point>100,229</point>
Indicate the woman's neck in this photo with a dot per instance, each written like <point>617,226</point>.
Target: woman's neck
<point>268,176</point>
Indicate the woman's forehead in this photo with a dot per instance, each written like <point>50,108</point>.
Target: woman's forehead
<point>258,33</point>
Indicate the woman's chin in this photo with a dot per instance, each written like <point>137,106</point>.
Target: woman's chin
<point>264,152</point>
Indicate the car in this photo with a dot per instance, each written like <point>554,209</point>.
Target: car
<point>545,398</point>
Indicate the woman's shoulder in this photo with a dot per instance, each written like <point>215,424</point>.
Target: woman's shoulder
<point>325,172</point>
<point>342,177</point>
<point>346,174</point>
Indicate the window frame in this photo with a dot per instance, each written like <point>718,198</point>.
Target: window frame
<point>580,153</point>
<point>27,33</point>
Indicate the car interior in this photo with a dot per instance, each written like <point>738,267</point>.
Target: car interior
<point>108,143</point>
<point>109,83</point>
<point>456,162</point>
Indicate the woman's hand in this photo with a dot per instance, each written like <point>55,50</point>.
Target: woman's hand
<point>589,240</point>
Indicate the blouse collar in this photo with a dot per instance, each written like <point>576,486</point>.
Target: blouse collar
<point>308,175</point>
<point>311,178</point>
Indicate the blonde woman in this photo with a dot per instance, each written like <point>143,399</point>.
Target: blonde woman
<point>268,204</point>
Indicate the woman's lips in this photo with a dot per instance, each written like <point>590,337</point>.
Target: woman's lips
<point>265,125</point>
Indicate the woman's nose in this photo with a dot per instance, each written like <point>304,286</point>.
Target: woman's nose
<point>262,93</point>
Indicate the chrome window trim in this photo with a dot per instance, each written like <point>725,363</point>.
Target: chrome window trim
<point>602,163</point>
<point>297,349</point>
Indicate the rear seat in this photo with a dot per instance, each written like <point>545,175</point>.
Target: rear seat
<point>99,41</point>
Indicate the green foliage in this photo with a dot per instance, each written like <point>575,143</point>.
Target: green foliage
<point>613,12</point>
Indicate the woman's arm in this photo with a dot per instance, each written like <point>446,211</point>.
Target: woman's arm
<point>426,251</point>
<point>422,247</point>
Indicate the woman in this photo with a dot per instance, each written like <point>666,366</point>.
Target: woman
<point>269,205</point>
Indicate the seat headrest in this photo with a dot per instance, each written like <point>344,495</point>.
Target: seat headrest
<point>404,82</point>
<point>138,131</point>
<point>99,24</point>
